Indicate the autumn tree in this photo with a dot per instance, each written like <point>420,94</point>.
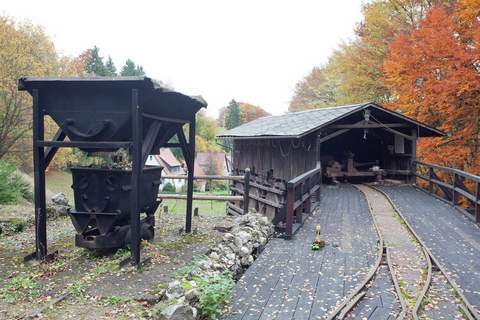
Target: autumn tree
<point>434,73</point>
<point>131,69</point>
<point>73,66</point>
<point>314,91</point>
<point>250,112</point>
<point>354,72</point>
<point>25,50</point>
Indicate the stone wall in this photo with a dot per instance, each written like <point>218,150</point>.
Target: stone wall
<point>236,252</point>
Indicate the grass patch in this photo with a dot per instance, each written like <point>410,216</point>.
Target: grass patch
<point>60,181</point>
<point>185,240</point>
<point>114,301</point>
<point>21,287</point>
<point>205,207</point>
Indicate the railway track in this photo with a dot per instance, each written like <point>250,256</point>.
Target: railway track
<point>345,309</point>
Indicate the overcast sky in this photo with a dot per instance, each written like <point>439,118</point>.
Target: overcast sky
<point>252,51</point>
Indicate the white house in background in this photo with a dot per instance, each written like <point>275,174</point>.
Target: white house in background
<point>171,166</point>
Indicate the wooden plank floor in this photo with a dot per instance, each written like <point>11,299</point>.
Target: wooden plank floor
<point>452,238</point>
<point>290,281</point>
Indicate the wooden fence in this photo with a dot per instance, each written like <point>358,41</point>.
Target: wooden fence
<point>250,192</point>
<point>266,197</point>
<point>299,193</point>
<point>460,188</point>
<point>244,198</point>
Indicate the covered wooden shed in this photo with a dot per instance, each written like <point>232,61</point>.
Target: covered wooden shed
<point>361,141</point>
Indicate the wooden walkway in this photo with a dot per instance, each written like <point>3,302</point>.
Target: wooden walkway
<point>290,281</point>
<point>452,238</point>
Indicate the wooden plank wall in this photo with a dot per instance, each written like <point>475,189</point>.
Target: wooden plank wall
<point>275,159</point>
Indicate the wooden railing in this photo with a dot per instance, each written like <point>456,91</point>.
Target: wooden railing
<point>245,197</point>
<point>451,185</point>
<point>299,192</point>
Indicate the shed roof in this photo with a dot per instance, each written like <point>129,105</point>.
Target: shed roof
<point>298,124</point>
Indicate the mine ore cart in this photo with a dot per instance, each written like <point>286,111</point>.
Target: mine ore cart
<point>113,206</point>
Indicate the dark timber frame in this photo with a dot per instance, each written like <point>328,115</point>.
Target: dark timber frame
<point>140,147</point>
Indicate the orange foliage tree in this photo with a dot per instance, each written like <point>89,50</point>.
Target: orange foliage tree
<point>433,73</point>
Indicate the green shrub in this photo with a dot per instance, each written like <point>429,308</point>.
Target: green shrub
<point>24,188</point>
<point>10,191</point>
<point>215,293</point>
<point>215,290</point>
<point>169,188</point>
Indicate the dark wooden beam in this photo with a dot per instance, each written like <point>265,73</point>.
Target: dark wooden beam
<point>137,132</point>
<point>39,178</point>
<point>369,125</point>
<point>172,145</point>
<point>406,136</point>
<point>184,144</point>
<point>51,150</point>
<point>165,119</point>
<point>149,140</point>
<point>333,135</point>
<point>190,150</point>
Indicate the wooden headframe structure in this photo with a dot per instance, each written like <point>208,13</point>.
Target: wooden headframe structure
<point>105,114</point>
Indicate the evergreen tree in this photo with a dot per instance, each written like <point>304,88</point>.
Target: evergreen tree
<point>232,117</point>
<point>110,66</point>
<point>95,65</point>
<point>131,69</point>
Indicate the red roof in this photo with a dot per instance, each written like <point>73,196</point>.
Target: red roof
<point>168,157</point>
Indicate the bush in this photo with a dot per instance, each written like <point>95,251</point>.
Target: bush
<point>9,193</point>
<point>169,188</point>
<point>215,293</point>
<point>12,186</point>
<point>215,290</point>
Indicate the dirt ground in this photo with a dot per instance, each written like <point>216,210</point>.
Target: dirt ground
<point>94,286</point>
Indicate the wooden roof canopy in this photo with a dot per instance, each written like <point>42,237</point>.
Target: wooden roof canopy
<point>299,124</point>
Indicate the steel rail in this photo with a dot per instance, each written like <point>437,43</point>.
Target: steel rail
<point>342,310</point>
<point>426,286</point>
<point>466,306</point>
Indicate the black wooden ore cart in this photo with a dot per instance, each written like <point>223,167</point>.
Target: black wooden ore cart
<point>106,114</point>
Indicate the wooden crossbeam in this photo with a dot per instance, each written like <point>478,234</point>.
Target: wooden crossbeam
<point>368,125</point>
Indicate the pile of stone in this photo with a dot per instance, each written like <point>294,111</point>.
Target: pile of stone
<point>233,254</point>
<point>58,206</point>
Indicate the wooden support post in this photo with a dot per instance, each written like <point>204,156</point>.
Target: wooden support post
<point>477,202</point>
<point>290,211</point>
<point>319,165</point>
<point>246,191</point>
<point>190,165</point>
<point>195,212</point>
<point>454,192</point>
<point>430,177</point>
<point>137,132</point>
<point>413,164</point>
<point>39,177</point>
